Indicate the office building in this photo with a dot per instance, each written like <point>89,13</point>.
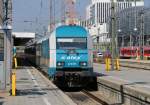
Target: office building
<point>99,10</point>
<point>98,14</point>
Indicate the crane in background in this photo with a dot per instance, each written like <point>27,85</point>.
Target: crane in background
<point>52,15</point>
<point>71,14</point>
<point>67,12</point>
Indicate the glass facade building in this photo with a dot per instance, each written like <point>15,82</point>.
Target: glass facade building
<point>130,24</point>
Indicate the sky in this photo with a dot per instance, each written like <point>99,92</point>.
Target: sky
<point>33,15</point>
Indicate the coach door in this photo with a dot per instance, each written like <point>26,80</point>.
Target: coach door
<point>2,77</point>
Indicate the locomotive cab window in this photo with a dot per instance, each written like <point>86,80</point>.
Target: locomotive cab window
<point>71,43</point>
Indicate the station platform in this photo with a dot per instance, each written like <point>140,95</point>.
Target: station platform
<point>34,89</point>
<point>135,61</point>
<point>129,86</point>
<point>130,75</point>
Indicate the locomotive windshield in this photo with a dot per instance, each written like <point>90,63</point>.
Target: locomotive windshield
<point>71,43</point>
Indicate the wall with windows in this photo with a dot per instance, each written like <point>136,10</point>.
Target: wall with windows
<point>99,10</point>
<point>129,26</point>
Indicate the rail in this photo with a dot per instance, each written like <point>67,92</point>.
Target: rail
<point>95,98</point>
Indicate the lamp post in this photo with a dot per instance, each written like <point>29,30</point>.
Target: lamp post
<point>117,42</point>
<point>135,21</point>
<point>122,41</point>
<point>117,35</point>
<point>98,35</point>
<point>142,35</point>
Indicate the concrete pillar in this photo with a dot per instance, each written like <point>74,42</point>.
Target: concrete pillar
<point>2,70</point>
<point>6,64</point>
<point>8,55</point>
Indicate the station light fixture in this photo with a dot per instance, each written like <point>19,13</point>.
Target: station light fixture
<point>135,29</point>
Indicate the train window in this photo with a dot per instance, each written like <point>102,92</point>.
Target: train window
<point>1,47</point>
<point>147,51</point>
<point>71,43</point>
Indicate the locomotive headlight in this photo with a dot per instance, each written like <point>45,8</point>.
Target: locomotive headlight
<point>60,64</point>
<point>83,63</point>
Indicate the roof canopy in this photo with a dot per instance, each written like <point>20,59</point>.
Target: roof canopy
<point>23,35</point>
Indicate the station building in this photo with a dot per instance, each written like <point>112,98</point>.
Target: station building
<point>5,43</point>
<point>99,10</point>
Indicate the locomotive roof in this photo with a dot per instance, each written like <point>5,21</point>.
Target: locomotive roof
<point>71,31</point>
<point>67,31</point>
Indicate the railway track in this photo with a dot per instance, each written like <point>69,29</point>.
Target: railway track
<point>84,97</point>
<point>102,102</point>
<point>137,65</point>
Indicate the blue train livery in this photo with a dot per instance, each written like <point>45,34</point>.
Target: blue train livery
<point>66,56</point>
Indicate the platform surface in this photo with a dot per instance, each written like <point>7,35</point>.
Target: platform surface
<point>34,89</point>
<point>132,76</point>
<point>135,60</point>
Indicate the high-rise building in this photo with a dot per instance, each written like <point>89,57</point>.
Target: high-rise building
<point>98,15</point>
<point>99,10</point>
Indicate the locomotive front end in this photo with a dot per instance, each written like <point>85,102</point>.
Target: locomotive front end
<point>73,60</point>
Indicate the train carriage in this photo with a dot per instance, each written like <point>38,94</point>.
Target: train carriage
<point>134,52</point>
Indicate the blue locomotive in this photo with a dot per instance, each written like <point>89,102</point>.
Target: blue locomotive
<point>66,56</point>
